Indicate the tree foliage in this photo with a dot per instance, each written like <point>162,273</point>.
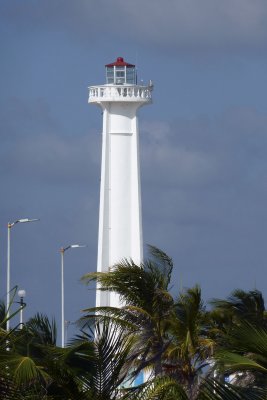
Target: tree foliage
<point>184,351</point>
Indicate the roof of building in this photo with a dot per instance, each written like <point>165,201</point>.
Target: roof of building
<point>120,63</point>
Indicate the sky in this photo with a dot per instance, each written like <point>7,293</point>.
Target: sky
<point>203,141</point>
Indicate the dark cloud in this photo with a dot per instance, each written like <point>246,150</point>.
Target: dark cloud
<point>36,147</point>
<point>54,159</point>
<point>206,195</point>
<point>185,25</point>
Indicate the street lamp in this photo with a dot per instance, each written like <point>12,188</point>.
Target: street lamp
<point>62,251</point>
<point>22,295</point>
<point>9,226</point>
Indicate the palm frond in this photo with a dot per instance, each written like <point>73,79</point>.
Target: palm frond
<point>42,329</point>
<point>235,362</point>
<point>157,389</point>
<point>23,369</point>
<point>212,389</point>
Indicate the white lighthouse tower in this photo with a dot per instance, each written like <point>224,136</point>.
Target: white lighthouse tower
<point>120,218</point>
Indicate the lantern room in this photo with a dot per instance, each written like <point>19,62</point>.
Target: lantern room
<point>120,73</point>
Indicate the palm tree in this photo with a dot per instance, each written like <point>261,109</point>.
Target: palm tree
<point>169,336</point>
<point>106,372</point>
<point>148,307</point>
<point>91,368</point>
<point>191,347</point>
<point>42,330</point>
<point>239,306</point>
<point>237,325</point>
<point>172,339</point>
<point>31,365</point>
<point>245,357</point>
<point>227,315</point>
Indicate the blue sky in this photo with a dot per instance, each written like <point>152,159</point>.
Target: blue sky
<point>203,140</point>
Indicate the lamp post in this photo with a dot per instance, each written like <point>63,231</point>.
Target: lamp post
<point>66,326</point>
<point>9,226</point>
<point>62,251</point>
<point>22,295</point>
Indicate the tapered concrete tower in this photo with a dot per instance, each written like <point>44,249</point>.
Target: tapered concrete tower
<point>120,217</point>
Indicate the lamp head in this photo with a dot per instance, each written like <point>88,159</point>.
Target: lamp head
<point>22,293</point>
<point>71,246</point>
<point>23,220</point>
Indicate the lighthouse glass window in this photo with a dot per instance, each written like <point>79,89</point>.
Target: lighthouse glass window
<point>110,75</point>
<point>120,75</point>
<point>130,76</point>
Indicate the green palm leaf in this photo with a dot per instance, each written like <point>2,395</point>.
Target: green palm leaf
<point>23,369</point>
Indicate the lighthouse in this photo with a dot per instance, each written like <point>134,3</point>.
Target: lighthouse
<point>120,213</point>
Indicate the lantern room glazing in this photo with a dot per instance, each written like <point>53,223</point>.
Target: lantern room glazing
<point>121,73</point>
